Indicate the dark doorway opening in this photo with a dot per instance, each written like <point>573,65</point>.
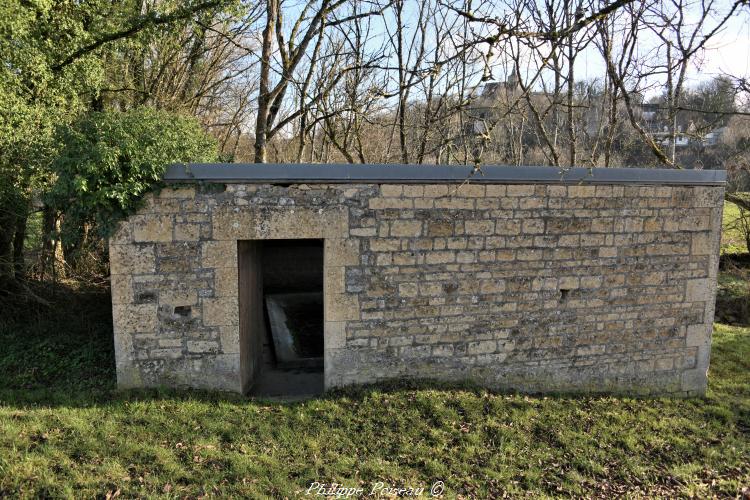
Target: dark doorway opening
<point>292,277</point>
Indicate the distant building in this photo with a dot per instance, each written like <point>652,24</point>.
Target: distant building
<point>714,137</point>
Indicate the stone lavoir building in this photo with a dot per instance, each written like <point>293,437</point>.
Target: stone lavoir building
<point>523,278</point>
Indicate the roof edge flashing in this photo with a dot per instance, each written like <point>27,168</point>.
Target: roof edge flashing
<point>312,173</point>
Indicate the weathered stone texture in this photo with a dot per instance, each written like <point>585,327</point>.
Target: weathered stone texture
<point>524,287</point>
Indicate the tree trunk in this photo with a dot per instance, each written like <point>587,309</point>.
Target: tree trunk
<point>18,240</point>
<point>571,84</point>
<point>7,232</point>
<point>52,251</point>
<point>401,85</point>
<point>264,97</point>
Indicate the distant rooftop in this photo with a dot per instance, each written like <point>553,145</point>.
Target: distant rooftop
<point>310,173</point>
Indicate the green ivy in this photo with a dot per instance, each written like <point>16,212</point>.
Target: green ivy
<point>109,160</point>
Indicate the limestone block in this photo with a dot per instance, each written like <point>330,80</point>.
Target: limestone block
<point>569,240</point>
<point>533,226</point>
<point>334,279</point>
<point>695,223</point>
<point>466,257</point>
<point>336,223</point>
<point>229,337</point>
<point>482,347</point>
<point>702,244</point>
<point>531,203</point>
<point>167,353</point>
<point>404,259</point>
<point>152,228</point>
<point>487,256</point>
<point>124,352</point>
<point>602,225</point>
<point>363,231</point>
<point>165,206</point>
<point>470,190</point>
<point>342,251</point>
<point>408,289</point>
<point>591,350</point>
<point>441,257</point>
<point>492,286</point>
<point>414,191</point>
<point>187,232</point>
<point>505,255</point>
<point>178,297</point>
<point>608,252</point>
<point>134,318</point>
<point>442,350</point>
<point>218,253</point>
<point>716,221</point>
<point>182,192</point>
<point>435,190</point>
<point>202,346</point>
<point>279,223</point>
<point>391,190</point>
<point>122,288</point>
<point>234,224</point>
<point>220,311</point>
<point>226,281</point>
<point>424,203</point>
<point>569,282</point>
<point>507,227</point>
<point>495,190</point>
<point>695,381</point>
<point>544,284</point>
<point>629,225</point>
<point>698,335</point>
<point>335,335</point>
<point>698,290</point>
<point>519,190</point>
<point>479,227</point>
<point>123,235</point>
<point>557,191</point>
<point>440,228</point>
<point>529,254</point>
<point>132,259</point>
<point>173,342</point>
<point>406,228</point>
<point>128,374</point>
<point>708,196</point>
<point>455,203</point>
<point>653,224</point>
<point>385,245</point>
<point>384,259</point>
<point>391,203</point>
<point>341,307</point>
<point>582,191</point>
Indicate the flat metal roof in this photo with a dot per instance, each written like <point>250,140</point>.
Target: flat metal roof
<point>310,173</point>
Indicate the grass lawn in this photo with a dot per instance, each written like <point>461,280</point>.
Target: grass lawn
<point>732,237</point>
<point>65,431</point>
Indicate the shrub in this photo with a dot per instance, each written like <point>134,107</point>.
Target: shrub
<point>109,160</point>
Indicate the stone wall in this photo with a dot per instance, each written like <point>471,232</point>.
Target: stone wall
<point>539,287</point>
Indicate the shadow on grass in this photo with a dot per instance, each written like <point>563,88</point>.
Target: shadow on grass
<point>733,293</point>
